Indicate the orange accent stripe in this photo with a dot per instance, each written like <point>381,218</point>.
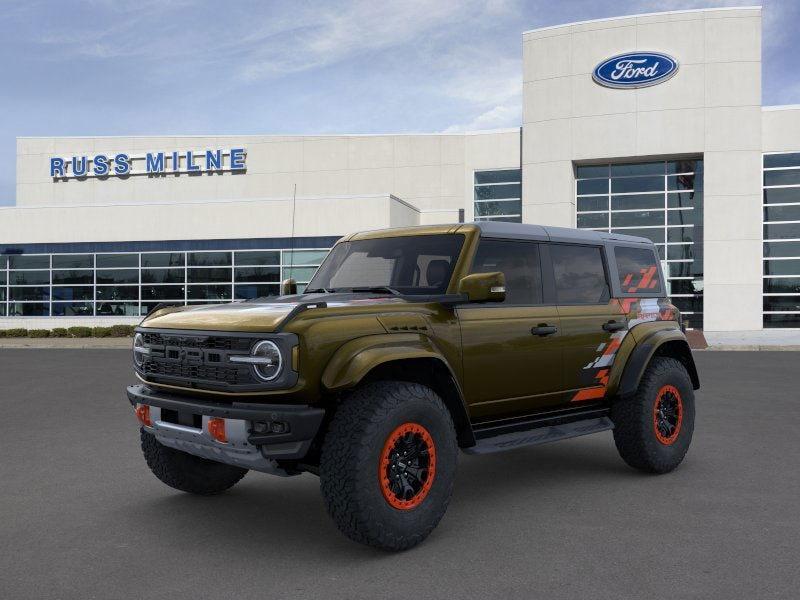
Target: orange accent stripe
<point>591,393</point>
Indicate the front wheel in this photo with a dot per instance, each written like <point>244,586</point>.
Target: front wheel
<point>388,464</point>
<point>653,427</point>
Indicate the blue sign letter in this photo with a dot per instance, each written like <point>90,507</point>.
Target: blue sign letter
<point>190,166</point>
<point>121,164</point>
<point>213,160</point>
<point>56,167</point>
<point>237,159</point>
<point>155,162</point>
<point>100,164</point>
<point>176,162</point>
<point>79,168</point>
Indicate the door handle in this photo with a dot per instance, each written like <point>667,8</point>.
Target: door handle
<point>544,329</point>
<point>614,325</point>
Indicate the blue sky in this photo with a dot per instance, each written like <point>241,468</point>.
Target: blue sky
<point>155,67</point>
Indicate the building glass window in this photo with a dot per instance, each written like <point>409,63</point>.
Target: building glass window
<point>661,201</point>
<point>781,213</point>
<point>498,195</point>
<point>132,283</point>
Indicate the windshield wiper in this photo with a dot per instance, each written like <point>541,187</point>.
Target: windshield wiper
<point>318,291</point>
<point>377,288</point>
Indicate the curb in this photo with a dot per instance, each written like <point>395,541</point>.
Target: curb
<point>751,348</point>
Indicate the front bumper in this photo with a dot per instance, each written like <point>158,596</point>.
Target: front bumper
<point>250,442</point>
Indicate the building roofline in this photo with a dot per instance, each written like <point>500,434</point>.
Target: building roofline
<point>781,107</point>
<point>651,14</point>
<point>265,135</point>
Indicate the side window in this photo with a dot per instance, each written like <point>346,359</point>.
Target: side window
<point>579,274</point>
<point>638,270</point>
<point>519,262</point>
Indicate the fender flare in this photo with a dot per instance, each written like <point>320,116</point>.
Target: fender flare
<point>353,361</point>
<point>644,352</point>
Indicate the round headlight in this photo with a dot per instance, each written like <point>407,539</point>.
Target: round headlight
<point>268,360</point>
<point>138,349</point>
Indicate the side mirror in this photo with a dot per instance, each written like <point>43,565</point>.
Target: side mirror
<point>483,287</point>
<point>288,287</point>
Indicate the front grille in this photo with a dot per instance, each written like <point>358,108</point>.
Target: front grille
<point>196,360</point>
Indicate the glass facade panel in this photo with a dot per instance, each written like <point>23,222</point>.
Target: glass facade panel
<point>782,177</point>
<point>69,292</point>
<point>593,220</point>
<point>260,258</point>
<point>500,176</point>
<point>163,259</point>
<point>498,208</point>
<point>787,159</point>
<point>117,276</point>
<point>28,309</point>
<point>258,274</point>
<point>73,309</point>
<point>497,195</point>
<point>67,277</point>
<point>117,292</point>
<point>641,199</point>
<point>782,195</point>
<point>29,277</point>
<point>108,284</point>
<point>209,259</point>
<point>115,261</point>
<point>249,291</point>
<point>163,275</point>
<point>782,267</point>
<point>29,293</point>
<point>208,275</point>
<point>637,184</point>
<point>31,261</point>
<point>209,292</point>
<point>73,261</point>
<point>163,292</point>
<point>782,231</point>
<point>782,320</point>
<point>782,285</point>
<point>782,213</point>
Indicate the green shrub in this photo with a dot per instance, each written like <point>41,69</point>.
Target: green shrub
<point>80,332</point>
<point>38,333</point>
<point>122,330</point>
<point>101,332</point>
<point>59,332</point>
<point>16,332</point>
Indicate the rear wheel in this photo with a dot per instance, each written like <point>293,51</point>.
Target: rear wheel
<point>187,472</point>
<point>653,427</point>
<point>388,464</point>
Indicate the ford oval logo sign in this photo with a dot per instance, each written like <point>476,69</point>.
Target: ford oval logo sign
<point>635,70</point>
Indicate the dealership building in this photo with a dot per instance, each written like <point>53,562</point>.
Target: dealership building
<point>650,125</point>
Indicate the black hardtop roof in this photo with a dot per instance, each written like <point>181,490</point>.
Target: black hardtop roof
<point>524,231</point>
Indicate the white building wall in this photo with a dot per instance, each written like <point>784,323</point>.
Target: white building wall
<point>712,107</point>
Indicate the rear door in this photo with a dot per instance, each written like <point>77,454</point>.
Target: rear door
<point>511,350</point>
<point>591,325</point>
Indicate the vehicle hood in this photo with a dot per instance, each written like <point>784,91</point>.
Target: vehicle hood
<point>261,315</point>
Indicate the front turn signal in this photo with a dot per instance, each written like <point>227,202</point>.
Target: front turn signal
<point>216,429</point>
<point>143,414</point>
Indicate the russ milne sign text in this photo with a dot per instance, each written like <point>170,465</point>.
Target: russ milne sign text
<point>122,164</point>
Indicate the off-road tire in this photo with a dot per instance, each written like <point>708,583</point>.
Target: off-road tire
<point>635,433</point>
<point>350,463</point>
<point>186,472</point>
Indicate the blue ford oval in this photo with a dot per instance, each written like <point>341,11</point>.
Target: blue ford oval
<point>635,70</point>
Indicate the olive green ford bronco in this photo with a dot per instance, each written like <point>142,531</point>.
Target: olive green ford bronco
<point>407,346</point>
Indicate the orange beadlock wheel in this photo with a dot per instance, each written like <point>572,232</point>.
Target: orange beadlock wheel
<point>667,414</point>
<point>407,466</point>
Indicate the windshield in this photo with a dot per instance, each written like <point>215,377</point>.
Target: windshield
<point>414,264</point>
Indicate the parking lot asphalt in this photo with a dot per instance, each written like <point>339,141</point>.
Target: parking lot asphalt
<point>82,516</point>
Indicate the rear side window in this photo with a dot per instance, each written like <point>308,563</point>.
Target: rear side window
<point>638,270</point>
<point>579,274</point>
<point>519,262</point>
